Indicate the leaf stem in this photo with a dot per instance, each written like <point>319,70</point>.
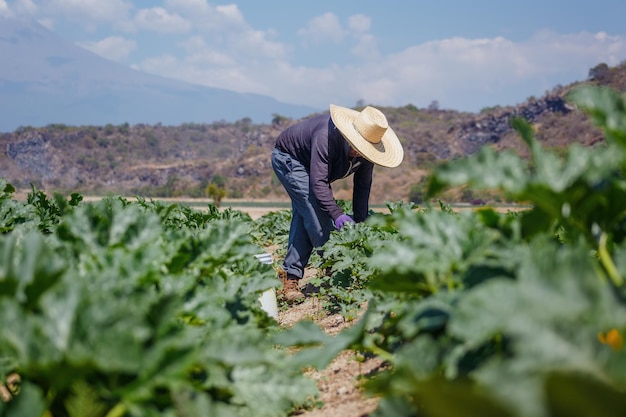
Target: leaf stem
<point>118,411</point>
<point>380,352</point>
<point>607,261</point>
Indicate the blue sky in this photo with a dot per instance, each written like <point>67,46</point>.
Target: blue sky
<point>464,54</point>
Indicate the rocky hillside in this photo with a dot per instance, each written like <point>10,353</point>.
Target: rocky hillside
<point>169,161</point>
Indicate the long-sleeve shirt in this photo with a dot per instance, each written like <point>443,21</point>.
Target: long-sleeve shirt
<point>318,145</point>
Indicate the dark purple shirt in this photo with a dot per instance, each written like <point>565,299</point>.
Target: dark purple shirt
<point>318,145</point>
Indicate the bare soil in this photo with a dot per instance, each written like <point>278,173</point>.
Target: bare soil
<point>339,384</point>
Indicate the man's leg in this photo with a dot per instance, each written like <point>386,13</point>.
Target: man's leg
<point>310,227</point>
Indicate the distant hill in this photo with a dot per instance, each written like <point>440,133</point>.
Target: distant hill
<point>157,160</point>
<point>45,79</point>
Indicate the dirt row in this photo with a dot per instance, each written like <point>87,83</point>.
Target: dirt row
<point>339,384</point>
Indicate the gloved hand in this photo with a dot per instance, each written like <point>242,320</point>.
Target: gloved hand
<point>342,220</point>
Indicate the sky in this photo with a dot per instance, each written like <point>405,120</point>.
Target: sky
<point>460,54</point>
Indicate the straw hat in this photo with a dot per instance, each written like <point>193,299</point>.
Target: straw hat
<point>369,133</point>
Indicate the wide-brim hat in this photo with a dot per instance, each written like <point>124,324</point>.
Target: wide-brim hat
<point>368,132</point>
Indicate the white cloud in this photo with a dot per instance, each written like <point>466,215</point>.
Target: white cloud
<point>243,64</point>
<point>223,51</point>
<point>366,48</point>
<point>322,29</point>
<point>160,20</point>
<point>194,44</point>
<point>191,7</point>
<point>114,47</point>
<point>256,44</point>
<point>24,7</point>
<point>46,22</point>
<point>210,69</point>
<point>461,71</point>
<point>366,45</point>
<point>359,23</point>
<point>224,29</point>
<point>326,29</point>
<point>242,48</point>
<point>231,14</point>
<point>199,53</point>
<point>96,10</point>
<point>4,9</point>
<point>219,19</point>
<point>162,65</point>
<point>580,48</point>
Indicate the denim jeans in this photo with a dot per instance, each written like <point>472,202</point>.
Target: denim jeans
<point>310,226</point>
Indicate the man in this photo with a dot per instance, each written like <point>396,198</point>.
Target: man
<point>308,157</point>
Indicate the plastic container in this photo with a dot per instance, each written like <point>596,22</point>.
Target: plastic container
<point>268,298</point>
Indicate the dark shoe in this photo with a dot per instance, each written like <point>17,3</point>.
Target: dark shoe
<point>291,287</point>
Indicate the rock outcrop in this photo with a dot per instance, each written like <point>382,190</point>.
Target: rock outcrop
<point>492,128</point>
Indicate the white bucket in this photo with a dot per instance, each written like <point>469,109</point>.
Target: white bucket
<point>268,298</point>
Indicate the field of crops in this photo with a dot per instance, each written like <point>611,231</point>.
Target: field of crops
<point>115,308</point>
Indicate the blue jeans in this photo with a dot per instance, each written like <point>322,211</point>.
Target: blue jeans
<point>310,226</point>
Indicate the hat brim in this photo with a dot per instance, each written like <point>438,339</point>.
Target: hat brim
<point>388,152</point>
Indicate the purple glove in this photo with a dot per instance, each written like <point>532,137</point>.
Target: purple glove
<point>342,220</point>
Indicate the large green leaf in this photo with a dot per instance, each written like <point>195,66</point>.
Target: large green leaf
<point>550,315</point>
<point>576,395</point>
<point>606,107</point>
<point>434,250</point>
<point>27,268</point>
<point>30,402</point>
<point>145,313</point>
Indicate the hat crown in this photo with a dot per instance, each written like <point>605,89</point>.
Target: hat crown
<point>371,124</point>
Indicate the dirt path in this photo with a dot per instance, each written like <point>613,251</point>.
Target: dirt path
<point>339,382</point>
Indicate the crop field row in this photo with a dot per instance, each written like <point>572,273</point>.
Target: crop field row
<point>118,307</point>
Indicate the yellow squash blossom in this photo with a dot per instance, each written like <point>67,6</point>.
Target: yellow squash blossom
<point>612,338</point>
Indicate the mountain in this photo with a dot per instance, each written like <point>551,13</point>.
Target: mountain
<point>45,79</point>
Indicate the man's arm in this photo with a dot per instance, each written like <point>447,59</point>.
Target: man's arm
<point>319,175</point>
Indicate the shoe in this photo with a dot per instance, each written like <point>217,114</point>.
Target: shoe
<point>291,286</point>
